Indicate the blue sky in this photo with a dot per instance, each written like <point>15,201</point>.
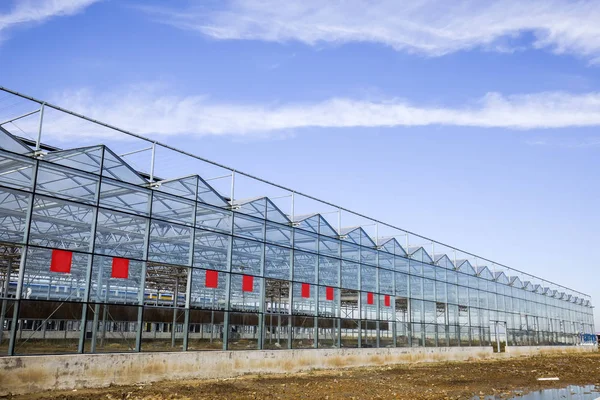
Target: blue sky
<point>471,123</point>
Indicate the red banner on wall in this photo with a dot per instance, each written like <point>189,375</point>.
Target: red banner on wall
<point>61,261</point>
<point>247,283</point>
<point>212,279</point>
<point>329,293</point>
<point>370,298</point>
<point>306,290</point>
<point>120,268</point>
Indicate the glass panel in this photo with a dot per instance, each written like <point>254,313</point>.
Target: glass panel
<point>329,306</point>
<point>124,197</point>
<point>245,300</point>
<point>305,241</point>
<point>11,143</point>
<point>163,329</point>
<point>210,250</point>
<point>206,330</point>
<point>416,287</point>
<point>173,209</point>
<point>66,183</point>
<point>329,247</point>
<point>368,256</point>
<point>304,301</point>
<point>86,159</point>
<point>60,224</point>
<point>116,328</point>
<point>121,235</point>
<point>278,234</point>
<point>213,218</point>
<point>16,171</point>
<point>368,278</point>
<point>305,266</point>
<point>106,289</point>
<point>206,296</point>
<point>13,210</point>
<point>248,227</point>
<point>48,327</point>
<point>277,262</point>
<point>329,271</point>
<point>115,168</point>
<point>386,281</point>
<point>247,257</point>
<point>401,284</point>
<point>350,274</point>
<point>350,251</point>
<point>41,283</point>
<point>170,243</point>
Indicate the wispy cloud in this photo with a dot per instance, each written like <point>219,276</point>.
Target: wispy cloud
<point>147,109</point>
<point>431,27</point>
<point>570,143</point>
<point>37,11</point>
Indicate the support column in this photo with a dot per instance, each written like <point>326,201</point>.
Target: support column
<point>5,295</point>
<point>18,294</point>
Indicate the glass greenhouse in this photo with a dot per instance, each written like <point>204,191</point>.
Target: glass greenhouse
<point>100,256</point>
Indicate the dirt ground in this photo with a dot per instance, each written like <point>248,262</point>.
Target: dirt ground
<point>450,380</point>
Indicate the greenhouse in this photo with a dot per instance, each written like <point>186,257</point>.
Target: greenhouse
<point>100,255</point>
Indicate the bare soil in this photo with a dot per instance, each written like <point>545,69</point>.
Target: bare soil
<point>450,380</point>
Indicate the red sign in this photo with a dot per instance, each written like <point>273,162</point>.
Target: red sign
<point>247,283</point>
<point>306,290</point>
<point>329,293</point>
<point>370,298</point>
<point>120,268</point>
<point>212,279</point>
<point>386,300</point>
<point>61,261</point>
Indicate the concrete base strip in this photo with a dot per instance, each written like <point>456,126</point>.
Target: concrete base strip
<point>28,374</point>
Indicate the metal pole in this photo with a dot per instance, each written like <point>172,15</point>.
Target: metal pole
<point>38,142</point>
<point>5,294</point>
<point>176,295</point>
<point>152,162</point>
<point>497,335</point>
<point>232,187</point>
<point>292,211</point>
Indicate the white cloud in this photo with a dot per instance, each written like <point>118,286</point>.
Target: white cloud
<point>148,110</point>
<point>424,26</point>
<point>570,143</point>
<point>36,11</point>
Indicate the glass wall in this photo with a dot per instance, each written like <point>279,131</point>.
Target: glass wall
<point>96,258</point>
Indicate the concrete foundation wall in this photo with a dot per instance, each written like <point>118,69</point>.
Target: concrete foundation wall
<point>531,350</point>
<point>27,374</point>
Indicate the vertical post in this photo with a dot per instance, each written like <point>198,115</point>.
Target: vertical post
<point>5,294</point>
<point>263,288</point>
<point>292,210</point>
<point>152,162</point>
<point>291,279</point>
<point>378,288</point>
<point>141,299</point>
<point>175,301</point>
<point>497,335</point>
<point>23,262</point>
<point>232,198</point>
<point>38,141</point>
<point>89,268</point>
<point>316,318</point>
<point>188,287</point>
